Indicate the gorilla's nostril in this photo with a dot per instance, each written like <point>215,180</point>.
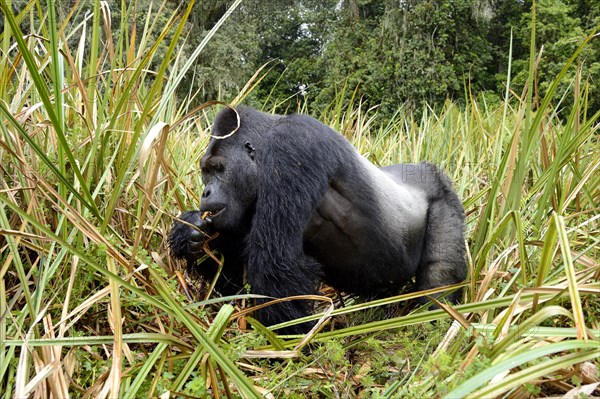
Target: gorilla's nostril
<point>206,193</point>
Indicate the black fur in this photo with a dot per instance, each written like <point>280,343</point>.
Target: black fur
<point>294,203</point>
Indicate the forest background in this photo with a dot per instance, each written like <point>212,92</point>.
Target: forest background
<point>386,52</point>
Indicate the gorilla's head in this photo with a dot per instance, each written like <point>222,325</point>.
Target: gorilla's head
<point>230,169</point>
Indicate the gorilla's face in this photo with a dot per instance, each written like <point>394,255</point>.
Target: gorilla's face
<point>230,181</point>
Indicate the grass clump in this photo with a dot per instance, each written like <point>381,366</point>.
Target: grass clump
<point>98,154</point>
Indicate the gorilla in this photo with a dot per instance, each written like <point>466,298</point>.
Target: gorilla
<point>294,204</point>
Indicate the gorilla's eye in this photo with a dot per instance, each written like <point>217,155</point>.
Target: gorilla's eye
<point>219,168</point>
<point>249,149</point>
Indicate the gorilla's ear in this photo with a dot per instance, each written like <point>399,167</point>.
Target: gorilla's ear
<point>225,122</point>
<point>249,149</point>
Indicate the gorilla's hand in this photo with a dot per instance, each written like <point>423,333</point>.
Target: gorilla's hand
<point>188,235</point>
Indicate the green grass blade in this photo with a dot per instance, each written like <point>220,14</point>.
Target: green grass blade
<point>48,106</point>
<point>480,379</point>
<point>42,155</point>
<point>215,331</point>
<point>565,248</point>
<point>241,381</point>
<point>544,369</point>
<point>142,375</point>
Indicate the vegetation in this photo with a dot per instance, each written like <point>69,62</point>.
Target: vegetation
<point>410,52</point>
<point>99,146</point>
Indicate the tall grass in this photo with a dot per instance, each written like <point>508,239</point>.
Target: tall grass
<point>98,154</point>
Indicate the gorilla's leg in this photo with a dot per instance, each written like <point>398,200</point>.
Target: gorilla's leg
<point>443,261</point>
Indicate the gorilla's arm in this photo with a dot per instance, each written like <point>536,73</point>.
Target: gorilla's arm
<point>293,178</point>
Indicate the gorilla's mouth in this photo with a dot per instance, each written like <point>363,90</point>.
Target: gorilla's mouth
<point>208,216</point>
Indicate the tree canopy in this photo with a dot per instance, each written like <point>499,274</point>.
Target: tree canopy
<point>398,52</point>
<point>388,53</point>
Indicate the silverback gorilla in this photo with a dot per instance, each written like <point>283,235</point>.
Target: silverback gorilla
<point>294,204</point>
